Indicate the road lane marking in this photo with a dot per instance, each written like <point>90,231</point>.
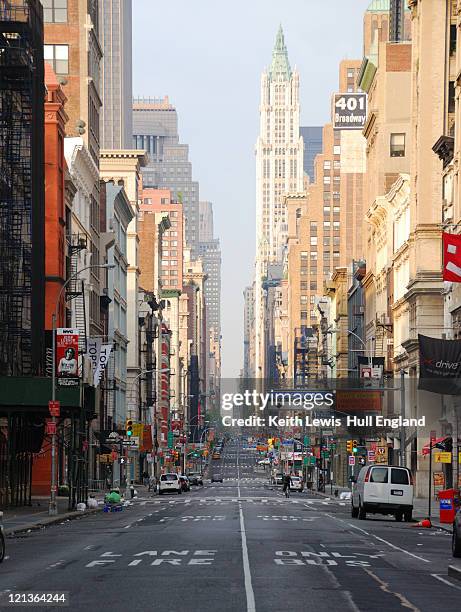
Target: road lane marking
<point>251,606</point>
<point>384,586</point>
<point>445,581</point>
<point>407,552</point>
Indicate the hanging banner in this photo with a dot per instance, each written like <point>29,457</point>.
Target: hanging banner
<point>451,257</point>
<point>104,355</point>
<point>439,365</point>
<point>92,352</point>
<point>67,357</point>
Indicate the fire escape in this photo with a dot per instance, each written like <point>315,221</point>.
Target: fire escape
<point>75,289</point>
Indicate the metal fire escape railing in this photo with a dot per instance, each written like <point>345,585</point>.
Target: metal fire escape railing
<point>75,290</point>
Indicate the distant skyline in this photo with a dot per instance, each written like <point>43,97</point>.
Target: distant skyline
<point>208,58</point>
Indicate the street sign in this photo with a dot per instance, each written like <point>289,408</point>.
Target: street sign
<point>349,111</point>
<point>170,439</point>
<point>442,457</point>
<point>307,441</point>
<point>54,407</point>
<point>351,460</point>
<point>131,443</point>
<point>50,428</point>
<point>371,456</point>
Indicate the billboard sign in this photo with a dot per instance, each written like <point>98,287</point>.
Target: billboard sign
<point>349,111</point>
<point>67,357</point>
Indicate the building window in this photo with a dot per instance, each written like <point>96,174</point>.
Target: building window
<point>313,285</point>
<point>327,164</point>
<point>313,240</point>
<point>54,11</point>
<point>313,227</point>
<point>58,57</point>
<point>337,150</point>
<point>397,145</point>
<point>303,285</point>
<point>303,299</point>
<point>303,315</point>
<point>326,180</point>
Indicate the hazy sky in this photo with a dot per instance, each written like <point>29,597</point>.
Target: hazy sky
<point>207,56</point>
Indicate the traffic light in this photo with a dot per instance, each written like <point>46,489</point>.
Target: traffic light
<point>349,446</point>
<point>355,445</point>
<point>129,427</point>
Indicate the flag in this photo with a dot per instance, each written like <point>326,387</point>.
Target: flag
<point>452,257</point>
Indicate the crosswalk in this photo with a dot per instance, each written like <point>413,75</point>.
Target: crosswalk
<point>224,499</point>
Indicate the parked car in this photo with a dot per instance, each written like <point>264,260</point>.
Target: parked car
<point>217,478</point>
<point>456,541</point>
<point>195,478</point>
<point>169,483</point>
<point>297,484</point>
<point>382,489</point>
<point>2,539</point>
<point>185,484</point>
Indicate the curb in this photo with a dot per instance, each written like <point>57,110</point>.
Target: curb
<point>454,571</point>
<point>68,516</point>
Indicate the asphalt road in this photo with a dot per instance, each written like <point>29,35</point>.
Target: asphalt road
<point>236,546</point>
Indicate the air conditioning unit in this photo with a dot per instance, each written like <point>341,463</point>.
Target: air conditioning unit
<point>384,319</point>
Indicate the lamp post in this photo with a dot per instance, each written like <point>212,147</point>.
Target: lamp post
<point>53,508</point>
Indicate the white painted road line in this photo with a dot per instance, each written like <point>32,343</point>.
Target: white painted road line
<point>251,606</point>
<point>445,581</point>
<point>407,552</point>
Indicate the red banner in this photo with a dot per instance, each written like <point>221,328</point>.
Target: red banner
<point>67,356</point>
<point>452,257</point>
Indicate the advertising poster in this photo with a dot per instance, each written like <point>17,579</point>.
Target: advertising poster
<point>67,357</point>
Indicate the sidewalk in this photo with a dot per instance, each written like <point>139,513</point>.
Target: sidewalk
<point>420,507</point>
<point>25,518</point>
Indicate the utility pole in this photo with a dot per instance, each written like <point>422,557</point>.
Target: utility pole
<point>402,414</point>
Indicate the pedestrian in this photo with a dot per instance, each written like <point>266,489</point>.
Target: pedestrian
<point>153,484</point>
<point>145,478</point>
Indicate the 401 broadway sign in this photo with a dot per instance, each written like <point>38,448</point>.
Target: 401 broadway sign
<point>349,111</point>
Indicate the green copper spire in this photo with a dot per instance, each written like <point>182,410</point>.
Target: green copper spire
<point>280,66</point>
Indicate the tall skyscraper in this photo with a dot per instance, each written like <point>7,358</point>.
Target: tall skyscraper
<point>279,170</point>
<point>116,73</point>
<point>312,137</point>
<point>210,252</point>
<point>205,221</point>
<point>155,129</point>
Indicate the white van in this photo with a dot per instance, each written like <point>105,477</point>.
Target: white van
<point>383,489</point>
<point>169,482</point>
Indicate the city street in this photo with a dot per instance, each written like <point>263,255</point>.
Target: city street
<point>240,545</point>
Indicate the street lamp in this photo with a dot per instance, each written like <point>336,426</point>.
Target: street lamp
<point>366,350</point>
<point>52,508</point>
